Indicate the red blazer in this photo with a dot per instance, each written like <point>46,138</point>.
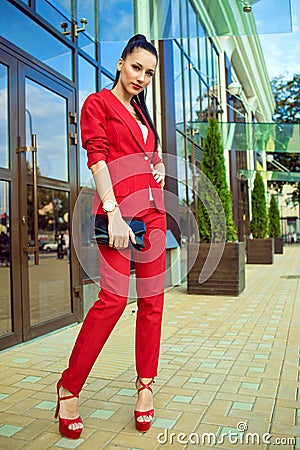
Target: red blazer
<point>110,133</point>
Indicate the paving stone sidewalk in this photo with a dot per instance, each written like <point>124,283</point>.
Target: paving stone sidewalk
<point>229,374</point>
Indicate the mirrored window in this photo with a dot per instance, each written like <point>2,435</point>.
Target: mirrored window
<point>46,114</point>
<point>4,142</point>
<point>106,82</point>
<point>5,257</point>
<point>116,20</point>
<point>184,25</point>
<point>32,38</point>
<point>87,86</point>
<point>49,282</point>
<point>110,53</point>
<point>192,21</point>
<point>87,44</point>
<point>88,10</point>
<point>195,95</point>
<point>178,84</point>
<point>55,12</point>
<point>187,87</point>
<point>203,59</point>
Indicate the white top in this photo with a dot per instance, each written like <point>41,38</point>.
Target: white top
<point>145,135</point>
<point>144,131</point>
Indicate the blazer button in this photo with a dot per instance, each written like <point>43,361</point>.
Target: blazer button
<point>146,158</point>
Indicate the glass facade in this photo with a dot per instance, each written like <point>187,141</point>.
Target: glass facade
<point>77,43</point>
<point>45,121</point>
<point>49,282</point>
<point>5,250</point>
<point>51,59</point>
<point>54,53</point>
<point>87,83</point>
<point>196,78</point>
<point>25,33</point>
<point>4,128</point>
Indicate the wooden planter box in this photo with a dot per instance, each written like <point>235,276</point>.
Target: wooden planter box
<point>278,246</point>
<point>260,251</point>
<point>229,276</point>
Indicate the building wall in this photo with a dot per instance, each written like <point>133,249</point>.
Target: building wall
<point>50,45</point>
<point>204,66</point>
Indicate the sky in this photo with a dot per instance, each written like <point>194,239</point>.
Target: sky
<point>282,50</point>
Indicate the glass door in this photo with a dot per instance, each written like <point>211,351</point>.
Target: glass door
<point>46,151</point>
<point>38,267</point>
<point>10,310</point>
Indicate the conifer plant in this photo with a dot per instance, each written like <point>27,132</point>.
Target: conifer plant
<point>259,222</point>
<point>274,218</point>
<point>213,166</point>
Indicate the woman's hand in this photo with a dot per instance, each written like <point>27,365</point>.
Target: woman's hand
<point>159,174</point>
<point>119,231</point>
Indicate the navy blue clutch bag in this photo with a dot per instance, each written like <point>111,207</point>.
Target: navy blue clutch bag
<point>101,231</point>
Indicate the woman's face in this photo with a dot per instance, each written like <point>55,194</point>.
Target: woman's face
<point>136,71</point>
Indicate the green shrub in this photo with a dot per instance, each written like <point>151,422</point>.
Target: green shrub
<point>274,218</point>
<point>259,222</point>
<point>213,166</point>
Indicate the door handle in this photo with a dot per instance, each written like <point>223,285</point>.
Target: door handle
<point>34,198</point>
<point>33,149</point>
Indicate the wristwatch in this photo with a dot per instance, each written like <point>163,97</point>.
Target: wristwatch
<point>109,206</point>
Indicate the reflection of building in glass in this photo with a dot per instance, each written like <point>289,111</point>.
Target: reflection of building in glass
<point>217,65</point>
<point>52,56</point>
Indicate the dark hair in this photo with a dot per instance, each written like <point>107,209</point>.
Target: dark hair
<point>140,41</point>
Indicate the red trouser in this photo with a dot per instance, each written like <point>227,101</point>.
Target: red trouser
<point>150,266</point>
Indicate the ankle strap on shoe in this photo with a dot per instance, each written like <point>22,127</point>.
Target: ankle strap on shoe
<point>67,397</point>
<point>144,385</point>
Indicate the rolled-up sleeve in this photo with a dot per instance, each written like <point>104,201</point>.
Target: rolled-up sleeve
<point>156,159</point>
<point>93,129</point>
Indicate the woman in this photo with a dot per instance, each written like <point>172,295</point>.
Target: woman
<point>121,143</point>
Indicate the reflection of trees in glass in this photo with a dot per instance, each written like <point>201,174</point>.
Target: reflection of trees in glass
<point>52,206</point>
<point>287,112</point>
<point>287,98</point>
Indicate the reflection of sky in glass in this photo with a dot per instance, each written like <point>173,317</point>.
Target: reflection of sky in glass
<point>192,20</point>
<point>110,53</point>
<point>177,83</point>
<point>87,44</point>
<point>282,51</point>
<point>198,92</point>
<point>266,17</point>
<point>106,82</point>
<point>195,95</point>
<point>47,111</point>
<point>3,117</point>
<point>116,20</point>
<point>55,12</point>
<point>24,33</point>
<point>87,85</point>
<point>276,19</point>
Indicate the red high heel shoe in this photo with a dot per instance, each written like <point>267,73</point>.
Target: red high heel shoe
<point>143,426</point>
<point>64,423</point>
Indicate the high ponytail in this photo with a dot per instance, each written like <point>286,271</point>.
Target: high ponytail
<point>135,42</point>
